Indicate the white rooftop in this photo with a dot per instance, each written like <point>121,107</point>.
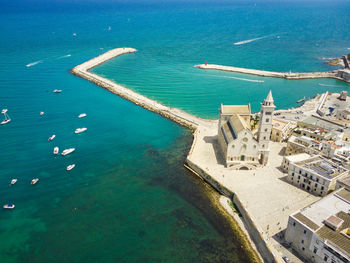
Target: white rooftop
<point>297,157</point>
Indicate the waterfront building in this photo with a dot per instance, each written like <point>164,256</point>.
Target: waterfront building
<point>240,145</point>
<point>288,159</point>
<point>281,130</point>
<point>320,233</point>
<point>343,114</point>
<point>316,174</point>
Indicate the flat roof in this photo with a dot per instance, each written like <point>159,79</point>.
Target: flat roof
<point>279,124</point>
<point>345,181</point>
<point>297,157</point>
<point>306,221</point>
<point>235,109</point>
<point>344,194</point>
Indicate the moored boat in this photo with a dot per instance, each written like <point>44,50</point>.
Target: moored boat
<point>57,91</point>
<point>80,130</point>
<point>52,137</point>
<point>301,100</point>
<point>34,181</point>
<point>42,113</point>
<point>56,150</point>
<point>13,181</point>
<point>82,115</point>
<point>68,151</point>
<point>70,167</point>
<point>9,206</point>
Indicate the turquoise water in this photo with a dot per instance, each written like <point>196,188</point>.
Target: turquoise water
<point>129,199</point>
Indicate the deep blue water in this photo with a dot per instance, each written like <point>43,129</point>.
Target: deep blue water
<point>129,199</point>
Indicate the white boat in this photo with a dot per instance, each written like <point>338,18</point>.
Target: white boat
<point>9,206</point>
<point>80,130</point>
<point>7,117</point>
<point>68,151</point>
<point>57,91</point>
<point>74,34</point>
<point>70,167</point>
<point>82,115</point>
<point>52,137</point>
<point>56,150</point>
<point>34,181</point>
<point>13,181</point>
<point>42,113</point>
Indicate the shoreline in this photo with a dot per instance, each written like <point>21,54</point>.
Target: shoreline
<point>203,160</point>
<point>286,75</point>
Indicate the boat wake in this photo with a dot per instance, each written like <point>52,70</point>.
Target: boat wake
<point>243,79</point>
<point>33,63</point>
<point>65,56</point>
<point>249,40</point>
<point>329,85</point>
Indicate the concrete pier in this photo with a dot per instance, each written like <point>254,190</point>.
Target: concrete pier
<point>286,75</point>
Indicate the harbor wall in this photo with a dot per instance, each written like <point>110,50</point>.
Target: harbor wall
<point>263,73</point>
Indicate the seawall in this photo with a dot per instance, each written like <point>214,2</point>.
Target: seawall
<point>286,75</point>
<point>194,123</point>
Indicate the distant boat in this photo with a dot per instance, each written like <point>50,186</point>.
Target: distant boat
<point>56,150</point>
<point>9,206</point>
<point>80,130</point>
<point>82,115</point>
<point>42,113</point>
<point>301,100</point>
<point>13,181</point>
<point>68,151</point>
<point>34,181</point>
<point>70,167</point>
<point>7,118</point>
<point>57,91</point>
<point>74,34</point>
<point>109,28</point>
<point>52,137</point>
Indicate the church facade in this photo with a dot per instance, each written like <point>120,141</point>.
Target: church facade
<point>241,146</point>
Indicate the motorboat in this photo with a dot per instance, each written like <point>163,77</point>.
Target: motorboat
<point>57,91</point>
<point>82,115</point>
<point>42,113</point>
<point>13,181</point>
<point>9,206</point>
<point>34,181</point>
<point>56,150</point>
<point>80,130</point>
<point>7,118</point>
<point>70,167</point>
<point>52,137</point>
<point>74,34</point>
<point>68,151</point>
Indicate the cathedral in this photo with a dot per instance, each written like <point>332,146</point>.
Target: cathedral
<point>242,145</point>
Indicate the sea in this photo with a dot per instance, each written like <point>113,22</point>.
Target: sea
<point>129,198</point>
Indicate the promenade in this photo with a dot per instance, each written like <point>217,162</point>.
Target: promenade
<point>263,73</point>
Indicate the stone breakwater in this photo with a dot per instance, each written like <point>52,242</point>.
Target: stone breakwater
<point>174,114</point>
<point>263,73</point>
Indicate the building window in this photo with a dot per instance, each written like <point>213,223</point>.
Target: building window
<point>315,250</point>
<point>317,179</point>
<point>299,177</point>
<point>325,257</point>
<point>292,174</point>
<point>294,223</point>
<point>267,119</point>
<point>265,130</point>
<point>315,185</point>
<point>322,188</point>
<point>264,137</point>
<point>304,231</point>
<point>302,241</point>
<point>303,248</point>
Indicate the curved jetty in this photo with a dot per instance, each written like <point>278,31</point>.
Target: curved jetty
<point>174,114</point>
<point>264,73</point>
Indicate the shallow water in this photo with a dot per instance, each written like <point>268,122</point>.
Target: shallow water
<point>129,198</point>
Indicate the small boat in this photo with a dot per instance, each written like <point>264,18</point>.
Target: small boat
<point>7,117</point>
<point>57,91</point>
<point>70,167</point>
<point>34,181</point>
<point>82,115</point>
<point>109,28</point>
<point>13,181</point>
<point>52,137</point>
<point>74,34</point>
<point>9,206</point>
<point>56,150</point>
<point>68,151</point>
<point>301,100</point>
<point>42,113</point>
<point>80,130</point>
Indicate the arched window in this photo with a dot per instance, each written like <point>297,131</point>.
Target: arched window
<point>267,119</point>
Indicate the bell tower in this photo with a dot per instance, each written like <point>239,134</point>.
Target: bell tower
<point>265,126</point>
